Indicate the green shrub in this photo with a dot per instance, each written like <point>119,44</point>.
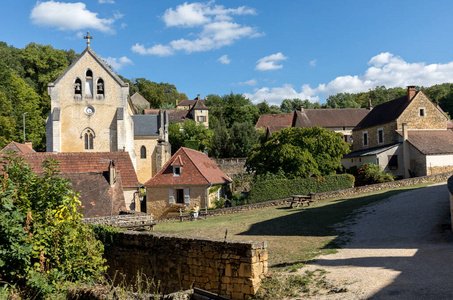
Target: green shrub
<point>239,199</point>
<point>369,174</point>
<point>192,144</point>
<point>219,203</point>
<point>283,188</point>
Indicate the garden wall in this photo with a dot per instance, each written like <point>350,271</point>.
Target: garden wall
<point>230,166</point>
<point>229,268</point>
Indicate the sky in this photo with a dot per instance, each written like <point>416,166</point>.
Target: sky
<point>266,50</point>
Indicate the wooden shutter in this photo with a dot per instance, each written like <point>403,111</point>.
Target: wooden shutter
<point>171,198</point>
<point>186,196</point>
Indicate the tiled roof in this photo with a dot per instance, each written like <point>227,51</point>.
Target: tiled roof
<point>151,111</point>
<point>17,147</point>
<point>198,169</point>
<point>97,196</point>
<point>330,117</point>
<point>430,142</point>
<point>384,113</point>
<point>371,151</point>
<point>273,120</point>
<point>174,115</point>
<point>82,162</point>
<point>189,103</point>
<point>199,104</point>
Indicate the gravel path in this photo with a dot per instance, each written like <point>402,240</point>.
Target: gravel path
<point>398,250</point>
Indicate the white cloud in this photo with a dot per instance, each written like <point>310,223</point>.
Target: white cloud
<point>106,1</point>
<point>384,69</point>
<point>312,63</point>
<point>158,50</point>
<point>68,16</point>
<point>224,59</point>
<point>217,28</point>
<point>117,15</point>
<point>270,62</point>
<point>251,82</point>
<point>118,63</point>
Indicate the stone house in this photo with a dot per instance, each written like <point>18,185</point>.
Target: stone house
<point>18,147</point>
<point>91,111</point>
<point>106,180</point>
<point>189,178</point>
<point>408,136</point>
<point>341,120</point>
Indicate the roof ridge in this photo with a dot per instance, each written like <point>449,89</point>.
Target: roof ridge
<point>196,167</point>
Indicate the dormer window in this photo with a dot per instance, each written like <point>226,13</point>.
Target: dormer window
<point>177,171</point>
<point>177,166</point>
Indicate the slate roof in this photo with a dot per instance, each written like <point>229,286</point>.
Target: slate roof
<point>275,120</point>
<point>83,162</point>
<point>197,169</point>
<point>146,125</point>
<point>97,196</point>
<point>330,117</point>
<point>371,151</point>
<point>17,147</point>
<point>431,142</point>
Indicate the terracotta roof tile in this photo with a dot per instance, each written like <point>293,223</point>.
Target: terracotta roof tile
<point>280,120</point>
<point>330,117</point>
<point>430,142</point>
<point>198,169</point>
<point>189,103</point>
<point>82,162</point>
<point>17,147</point>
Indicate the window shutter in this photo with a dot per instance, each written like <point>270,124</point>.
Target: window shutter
<point>170,197</point>
<point>186,196</point>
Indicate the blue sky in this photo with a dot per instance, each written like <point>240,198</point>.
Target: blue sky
<point>266,50</point>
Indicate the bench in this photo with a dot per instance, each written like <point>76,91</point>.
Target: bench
<point>190,216</point>
<point>301,199</point>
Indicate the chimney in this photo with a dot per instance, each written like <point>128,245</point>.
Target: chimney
<point>406,152</point>
<point>410,92</point>
<point>370,107</point>
<point>198,97</point>
<point>112,173</point>
<point>405,134</point>
<point>29,144</point>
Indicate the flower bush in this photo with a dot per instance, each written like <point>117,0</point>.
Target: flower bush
<point>369,174</point>
<point>177,207</point>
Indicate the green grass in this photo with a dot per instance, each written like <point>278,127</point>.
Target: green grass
<point>293,236</point>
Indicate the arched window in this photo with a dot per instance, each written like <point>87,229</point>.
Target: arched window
<point>78,88</point>
<point>89,136</point>
<point>142,152</point>
<point>89,84</point>
<point>100,87</point>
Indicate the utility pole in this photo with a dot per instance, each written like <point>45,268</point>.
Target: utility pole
<point>24,125</point>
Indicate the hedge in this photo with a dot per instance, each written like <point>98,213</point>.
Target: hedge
<point>283,188</point>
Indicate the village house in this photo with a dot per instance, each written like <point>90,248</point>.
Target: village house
<point>189,178</point>
<point>18,147</point>
<point>91,111</point>
<point>341,120</point>
<point>408,136</point>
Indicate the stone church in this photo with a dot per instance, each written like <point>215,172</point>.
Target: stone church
<point>91,111</point>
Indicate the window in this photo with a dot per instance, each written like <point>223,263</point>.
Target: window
<point>100,87</point>
<point>142,152</point>
<point>201,119</point>
<point>78,89</point>
<point>365,138</point>
<point>380,134</point>
<point>176,171</point>
<point>89,140</point>
<point>180,196</point>
<point>421,111</point>
<point>89,84</point>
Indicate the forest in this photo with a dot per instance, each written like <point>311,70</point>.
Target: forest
<point>25,73</point>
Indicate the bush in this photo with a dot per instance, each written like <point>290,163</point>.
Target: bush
<point>219,203</point>
<point>283,188</point>
<point>369,174</point>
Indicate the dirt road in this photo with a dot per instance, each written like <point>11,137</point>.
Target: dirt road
<point>398,249</point>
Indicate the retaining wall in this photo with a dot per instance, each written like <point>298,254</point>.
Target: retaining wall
<point>229,268</point>
<point>230,166</point>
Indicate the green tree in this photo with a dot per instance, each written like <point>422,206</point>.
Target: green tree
<point>191,131</point>
<point>243,137</point>
<point>220,143</point>
<point>342,100</point>
<point>43,242</point>
<point>299,152</point>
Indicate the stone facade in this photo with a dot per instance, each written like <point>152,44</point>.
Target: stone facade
<point>229,268</point>
<point>431,117</point>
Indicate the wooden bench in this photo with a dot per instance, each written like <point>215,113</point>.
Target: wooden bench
<point>301,199</point>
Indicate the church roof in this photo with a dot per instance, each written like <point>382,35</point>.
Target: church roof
<point>197,169</point>
<point>146,125</point>
<point>82,162</point>
<point>100,61</point>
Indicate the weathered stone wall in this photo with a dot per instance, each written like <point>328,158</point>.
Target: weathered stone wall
<point>230,166</point>
<point>389,135</point>
<point>229,268</point>
<point>145,165</point>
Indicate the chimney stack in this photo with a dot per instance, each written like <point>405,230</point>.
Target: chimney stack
<point>405,134</point>
<point>112,173</point>
<point>410,92</point>
<point>198,97</point>
<point>370,107</point>
<point>29,144</point>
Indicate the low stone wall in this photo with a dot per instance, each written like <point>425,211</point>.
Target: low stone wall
<point>229,268</point>
<point>230,166</point>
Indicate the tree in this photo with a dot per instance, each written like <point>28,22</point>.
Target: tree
<point>43,242</point>
<point>342,100</point>
<point>191,131</point>
<point>243,137</point>
<point>299,152</point>
<point>220,143</point>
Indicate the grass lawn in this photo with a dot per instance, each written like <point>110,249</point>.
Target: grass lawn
<point>293,236</point>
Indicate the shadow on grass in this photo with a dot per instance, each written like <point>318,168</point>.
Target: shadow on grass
<point>318,219</point>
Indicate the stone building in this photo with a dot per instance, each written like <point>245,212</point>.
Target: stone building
<point>91,111</point>
<point>408,136</point>
<point>189,178</point>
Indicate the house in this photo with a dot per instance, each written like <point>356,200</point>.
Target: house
<point>188,104</point>
<point>408,136</point>
<point>139,102</point>
<point>189,178</point>
<point>106,180</point>
<point>91,111</point>
<point>196,111</point>
<point>18,147</point>
<point>341,120</point>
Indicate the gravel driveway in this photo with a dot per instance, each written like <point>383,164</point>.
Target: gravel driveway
<point>398,250</point>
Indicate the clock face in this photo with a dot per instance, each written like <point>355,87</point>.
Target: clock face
<point>89,110</point>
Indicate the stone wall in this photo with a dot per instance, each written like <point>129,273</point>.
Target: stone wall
<point>229,268</point>
<point>230,166</point>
